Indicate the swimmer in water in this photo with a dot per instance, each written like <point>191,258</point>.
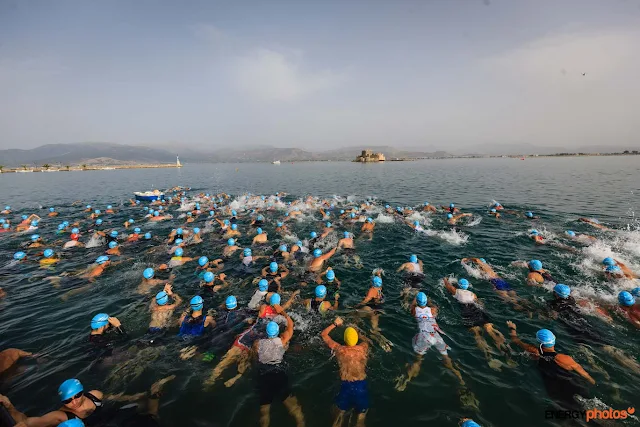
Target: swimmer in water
<point>494,212</point>
<point>371,306</point>
<point>614,269</point>
<point>273,381</point>
<point>594,223</point>
<point>275,272</point>
<point>148,281</point>
<point>319,259</point>
<point>327,230</point>
<point>367,227</point>
<point>413,277</point>
<point>501,286</point>
<point>428,336</point>
<point>194,322</point>
<point>451,209</point>
<point>161,310</point>
<point>233,232</point>
<point>48,258</point>
<point>176,260</point>
<point>628,308</point>
<point>537,276</point>
<point>105,329</point>
<point>88,407</point>
<point>530,215</point>
<point>453,219</point>
<point>10,356</point>
<point>36,241</point>
<point>230,249</point>
<point>581,238</point>
<point>476,319</point>
<point>259,238</point>
<point>318,304</point>
<point>210,279</point>
<point>352,363</point>
<point>416,226</point>
<point>536,237</point>
<point>330,277</point>
<point>427,207</point>
<point>555,368</point>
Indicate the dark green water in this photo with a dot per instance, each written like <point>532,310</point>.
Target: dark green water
<point>34,318</point>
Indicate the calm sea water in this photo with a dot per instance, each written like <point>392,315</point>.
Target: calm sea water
<point>33,316</point>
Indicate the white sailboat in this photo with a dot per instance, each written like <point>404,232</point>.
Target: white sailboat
<point>276,162</point>
<point>178,164</point>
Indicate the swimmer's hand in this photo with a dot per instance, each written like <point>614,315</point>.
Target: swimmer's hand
<point>114,322</point>
<point>338,321</point>
<point>336,296</point>
<point>512,327</point>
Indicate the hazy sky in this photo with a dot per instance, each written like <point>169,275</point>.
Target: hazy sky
<point>436,74</point>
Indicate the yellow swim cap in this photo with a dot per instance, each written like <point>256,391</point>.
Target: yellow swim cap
<point>350,336</point>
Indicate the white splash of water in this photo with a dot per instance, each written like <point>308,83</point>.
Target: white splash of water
<point>475,220</point>
<point>384,219</point>
<point>96,241</point>
<point>453,237</point>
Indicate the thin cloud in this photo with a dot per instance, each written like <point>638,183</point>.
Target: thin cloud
<point>266,74</point>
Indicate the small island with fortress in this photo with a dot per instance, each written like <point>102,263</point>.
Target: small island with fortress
<point>368,156</point>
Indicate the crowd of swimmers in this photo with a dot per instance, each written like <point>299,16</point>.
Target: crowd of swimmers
<point>263,328</point>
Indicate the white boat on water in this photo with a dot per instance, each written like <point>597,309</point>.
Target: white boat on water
<point>24,170</point>
<point>276,162</point>
<point>108,169</point>
<point>50,170</point>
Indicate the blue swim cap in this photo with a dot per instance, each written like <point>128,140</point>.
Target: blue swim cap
<point>208,277</point>
<point>260,218</point>
<point>299,243</point>
<point>146,208</point>
<point>609,261</point>
<point>2,220</point>
<point>328,224</point>
<point>234,227</point>
<point>19,255</point>
<point>483,260</point>
<point>5,226</point>
<point>463,284</point>
<point>196,230</point>
<point>449,216</point>
<point>231,302</point>
<point>377,281</point>
<point>369,220</point>
<point>98,222</point>
<point>51,209</point>
<point>156,213</point>
<point>283,248</point>
<point>196,303</point>
<point>97,212</point>
<point>563,291</point>
<point>179,231</point>
<point>203,260</point>
<point>69,388</point>
<point>263,284</point>
<point>275,299</point>
<point>317,253</point>
<point>272,329</point>
<point>413,258</point>
<point>226,222</point>
<point>416,223</point>
<point>34,223</point>
<point>24,217</point>
<point>613,269</point>
<point>493,211</point>
<point>535,265</point>
<point>179,252</point>
<point>148,273</point>
<point>546,338</point>
<point>279,224</point>
<point>189,214</point>
<point>234,213</point>
<point>211,213</point>
<point>571,233</point>
<point>7,208</point>
<point>452,205</point>
<point>529,214</point>
<point>109,207</point>
<point>321,291</point>
<point>231,242</point>
<point>99,320</point>
<point>48,253</point>
<point>273,267</point>
<point>313,234</point>
<point>162,298</point>
<point>421,299</point>
<point>534,232</point>
<point>178,241</point>
<point>35,237</point>
<point>330,276</point>
<point>137,230</point>
<point>635,292</point>
<point>73,422</point>
<point>114,233</point>
<point>137,202</point>
<point>147,236</point>
<point>112,244</point>
<point>259,230</point>
<point>102,259</point>
<point>341,211</point>
<point>286,214</point>
<point>346,234</point>
<point>247,252</point>
<point>469,423</point>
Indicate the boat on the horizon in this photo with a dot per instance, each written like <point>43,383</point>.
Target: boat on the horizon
<point>24,170</point>
<point>276,162</point>
<point>149,196</point>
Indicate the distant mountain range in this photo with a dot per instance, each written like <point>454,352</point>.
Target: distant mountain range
<point>102,153</point>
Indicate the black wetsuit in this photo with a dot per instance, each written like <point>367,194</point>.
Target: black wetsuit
<point>570,316</point>
<point>96,417</point>
<point>561,385</point>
